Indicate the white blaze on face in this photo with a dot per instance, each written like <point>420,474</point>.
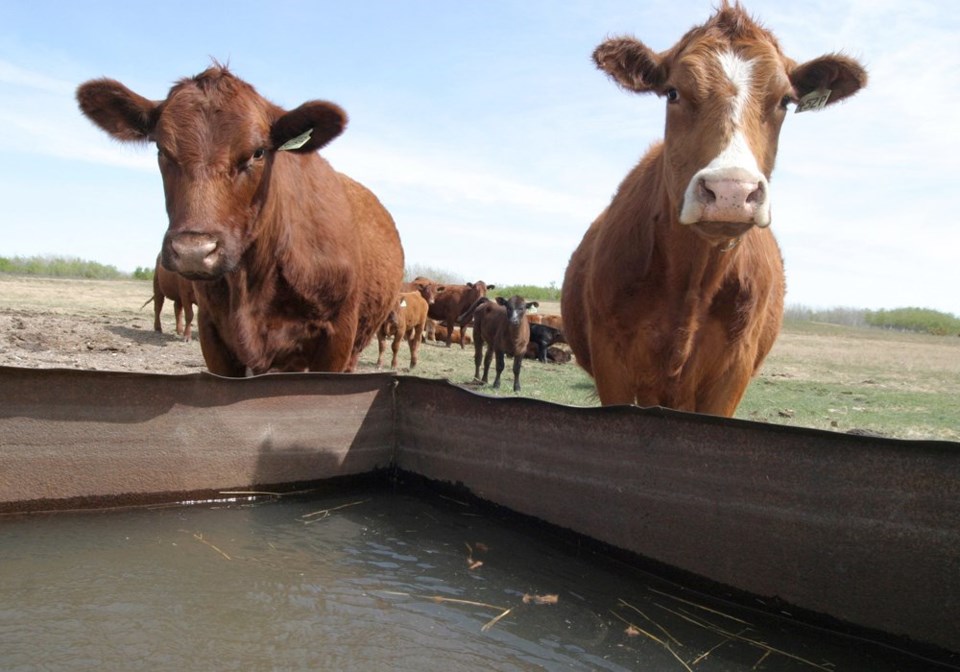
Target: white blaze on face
<point>731,188</point>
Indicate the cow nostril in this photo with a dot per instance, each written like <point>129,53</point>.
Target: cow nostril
<point>706,195</point>
<point>757,195</point>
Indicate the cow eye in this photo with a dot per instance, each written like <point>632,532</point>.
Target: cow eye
<point>672,95</point>
<point>258,153</point>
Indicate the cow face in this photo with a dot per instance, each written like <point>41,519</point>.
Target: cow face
<point>516,308</point>
<point>217,140</point>
<point>727,88</point>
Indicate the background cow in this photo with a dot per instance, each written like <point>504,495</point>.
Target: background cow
<point>675,295</point>
<point>405,322</point>
<point>504,328</point>
<point>296,265</point>
<point>452,302</point>
<point>177,288</point>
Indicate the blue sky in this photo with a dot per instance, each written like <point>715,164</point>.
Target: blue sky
<point>487,132</point>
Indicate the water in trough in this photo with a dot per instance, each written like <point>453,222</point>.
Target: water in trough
<point>364,580</point>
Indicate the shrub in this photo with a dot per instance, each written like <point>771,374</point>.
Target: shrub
<point>924,320</point>
<point>59,267</point>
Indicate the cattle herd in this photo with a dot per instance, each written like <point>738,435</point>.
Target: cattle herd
<point>674,296</point>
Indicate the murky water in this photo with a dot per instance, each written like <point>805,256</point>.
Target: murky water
<point>371,581</point>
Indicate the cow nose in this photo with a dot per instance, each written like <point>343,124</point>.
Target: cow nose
<point>731,199</point>
<point>191,254</point>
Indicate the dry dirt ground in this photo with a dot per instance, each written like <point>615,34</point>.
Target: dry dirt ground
<point>89,324</point>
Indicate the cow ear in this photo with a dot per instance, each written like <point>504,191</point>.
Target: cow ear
<point>533,304</point>
<point>489,287</point>
<point>502,301</point>
<point>308,128</point>
<point>631,64</point>
<point>117,110</point>
<point>841,75</point>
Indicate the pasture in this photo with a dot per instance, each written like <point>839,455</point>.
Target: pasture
<point>831,377</point>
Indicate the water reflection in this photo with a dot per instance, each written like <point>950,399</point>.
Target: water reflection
<point>375,581</point>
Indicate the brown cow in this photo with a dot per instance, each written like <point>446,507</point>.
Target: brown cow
<point>454,301</point>
<point>504,328</point>
<point>675,295</point>
<point>296,265</point>
<point>405,322</point>
<point>428,288</point>
<point>170,285</point>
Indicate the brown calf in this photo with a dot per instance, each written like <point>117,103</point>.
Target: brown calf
<point>296,265</point>
<point>405,322</point>
<point>504,328</point>
<point>675,295</point>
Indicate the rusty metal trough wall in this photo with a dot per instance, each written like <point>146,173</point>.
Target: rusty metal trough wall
<point>81,439</point>
<point>861,529</point>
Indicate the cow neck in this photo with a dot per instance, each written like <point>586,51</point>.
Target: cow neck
<point>302,244</point>
<point>696,269</point>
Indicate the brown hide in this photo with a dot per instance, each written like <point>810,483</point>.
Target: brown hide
<point>503,327</point>
<point>406,321</point>
<point>173,286</point>
<point>454,301</point>
<point>296,265</point>
<point>675,294</point>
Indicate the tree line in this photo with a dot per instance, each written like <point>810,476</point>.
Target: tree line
<point>924,320</point>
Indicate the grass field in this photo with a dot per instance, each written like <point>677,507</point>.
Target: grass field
<point>826,376</point>
<point>898,384</point>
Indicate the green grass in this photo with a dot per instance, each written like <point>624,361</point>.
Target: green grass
<point>829,377</point>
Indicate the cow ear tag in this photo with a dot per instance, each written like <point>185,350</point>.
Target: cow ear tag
<point>813,101</point>
<point>403,303</point>
<point>297,142</point>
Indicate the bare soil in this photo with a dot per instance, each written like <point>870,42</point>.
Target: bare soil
<point>89,324</point>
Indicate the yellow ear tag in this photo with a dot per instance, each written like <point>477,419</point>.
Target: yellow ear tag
<point>813,101</point>
<point>297,142</point>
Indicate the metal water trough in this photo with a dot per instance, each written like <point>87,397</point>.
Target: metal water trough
<point>860,529</point>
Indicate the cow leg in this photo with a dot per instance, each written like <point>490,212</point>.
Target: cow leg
<point>157,307</point>
<point>338,354</point>
<point>381,346</point>
<point>517,363</point>
<point>217,356</point>
<point>500,365</point>
<point>178,314</point>
<point>542,351</point>
<point>188,321</point>
<point>615,385</point>
<point>449,325</point>
<point>414,342</point>
<point>477,356</point>
<point>723,396</point>
<point>395,347</point>
<point>486,363</point>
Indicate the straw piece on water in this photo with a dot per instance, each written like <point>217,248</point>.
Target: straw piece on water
<point>540,599</point>
<point>687,616</point>
<point>496,619</point>
<point>659,627</point>
<point>199,537</point>
<point>633,628</point>
<point>327,512</point>
<point>698,606</point>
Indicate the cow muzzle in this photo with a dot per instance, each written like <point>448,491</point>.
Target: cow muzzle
<point>196,256</point>
<point>734,199</point>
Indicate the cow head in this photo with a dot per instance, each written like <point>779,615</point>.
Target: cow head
<point>516,308</point>
<point>727,88</point>
<point>217,140</point>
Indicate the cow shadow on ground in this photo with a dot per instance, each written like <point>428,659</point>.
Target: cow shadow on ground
<point>147,336</point>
